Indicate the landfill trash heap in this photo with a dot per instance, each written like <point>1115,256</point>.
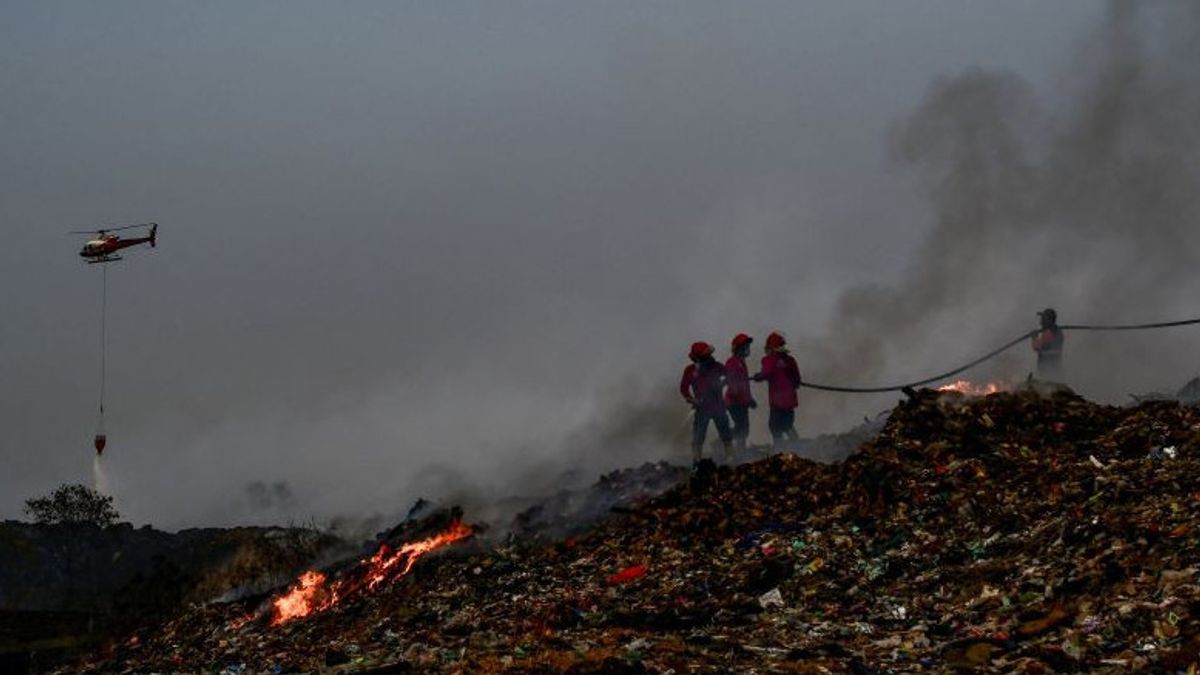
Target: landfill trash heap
<point>1015,532</point>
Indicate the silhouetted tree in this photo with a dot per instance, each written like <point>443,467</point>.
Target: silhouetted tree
<point>74,504</point>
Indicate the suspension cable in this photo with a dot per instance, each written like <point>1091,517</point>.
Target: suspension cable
<point>103,339</point>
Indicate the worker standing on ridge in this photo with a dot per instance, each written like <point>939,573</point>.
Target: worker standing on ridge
<point>782,376</point>
<point>738,398</point>
<point>702,386</point>
<point>1048,343</point>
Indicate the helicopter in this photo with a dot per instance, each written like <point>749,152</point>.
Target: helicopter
<point>103,248</point>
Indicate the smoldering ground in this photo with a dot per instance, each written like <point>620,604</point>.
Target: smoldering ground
<point>445,252</point>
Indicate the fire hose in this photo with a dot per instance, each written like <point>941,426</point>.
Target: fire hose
<point>994,353</point>
<point>1133,326</point>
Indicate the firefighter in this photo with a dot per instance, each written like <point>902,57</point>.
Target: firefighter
<point>782,376</point>
<point>738,398</point>
<point>1048,343</point>
<point>702,386</point>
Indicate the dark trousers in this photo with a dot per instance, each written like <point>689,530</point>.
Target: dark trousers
<point>740,416</point>
<point>783,426</point>
<point>1049,366</point>
<point>700,429</point>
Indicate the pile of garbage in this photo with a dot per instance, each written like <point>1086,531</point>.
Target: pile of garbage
<point>1015,532</point>
<point>571,511</point>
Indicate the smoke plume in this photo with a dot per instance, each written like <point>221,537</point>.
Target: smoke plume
<point>459,250</point>
<point>1083,199</point>
<point>1086,203</point>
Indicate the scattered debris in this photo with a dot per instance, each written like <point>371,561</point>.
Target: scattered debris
<point>968,533</point>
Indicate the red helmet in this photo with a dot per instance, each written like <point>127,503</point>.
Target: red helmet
<point>700,350</point>
<point>741,340</point>
<point>775,340</point>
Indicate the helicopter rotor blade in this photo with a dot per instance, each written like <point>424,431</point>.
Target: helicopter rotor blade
<point>112,229</point>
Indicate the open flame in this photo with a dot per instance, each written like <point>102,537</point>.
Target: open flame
<point>314,593</point>
<point>969,388</point>
<point>302,599</point>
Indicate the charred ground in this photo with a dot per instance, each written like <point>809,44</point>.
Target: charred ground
<point>1018,531</point>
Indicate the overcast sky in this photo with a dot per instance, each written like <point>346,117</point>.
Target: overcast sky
<point>397,236</point>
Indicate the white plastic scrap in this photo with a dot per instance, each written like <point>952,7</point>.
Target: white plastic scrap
<point>772,598</point>
<point>639,645</point>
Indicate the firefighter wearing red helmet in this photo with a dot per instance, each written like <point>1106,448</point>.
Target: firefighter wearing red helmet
<point>702,386</point>
<point>738,398</point>
<point>782,375</point>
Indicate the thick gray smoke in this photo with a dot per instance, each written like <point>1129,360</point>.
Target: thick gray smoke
<point>456,250</point>
<point>1084,200</point>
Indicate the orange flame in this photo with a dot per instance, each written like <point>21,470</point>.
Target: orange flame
<point>382,563</point>
<point>312,594</point>
<point>969,388</point>
<point>302,599</point>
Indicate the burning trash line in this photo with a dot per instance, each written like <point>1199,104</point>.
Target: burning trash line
<point>969,388</point>
<point>314,593</point>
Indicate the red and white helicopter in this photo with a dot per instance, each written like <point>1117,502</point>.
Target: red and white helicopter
<point>103,248</point>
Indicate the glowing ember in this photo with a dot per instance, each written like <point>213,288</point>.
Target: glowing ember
<point>969,388</point>
<point>312,594</point>
<point>237,623</point>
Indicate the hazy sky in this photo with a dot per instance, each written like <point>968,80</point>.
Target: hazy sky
<point>396,235</point>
